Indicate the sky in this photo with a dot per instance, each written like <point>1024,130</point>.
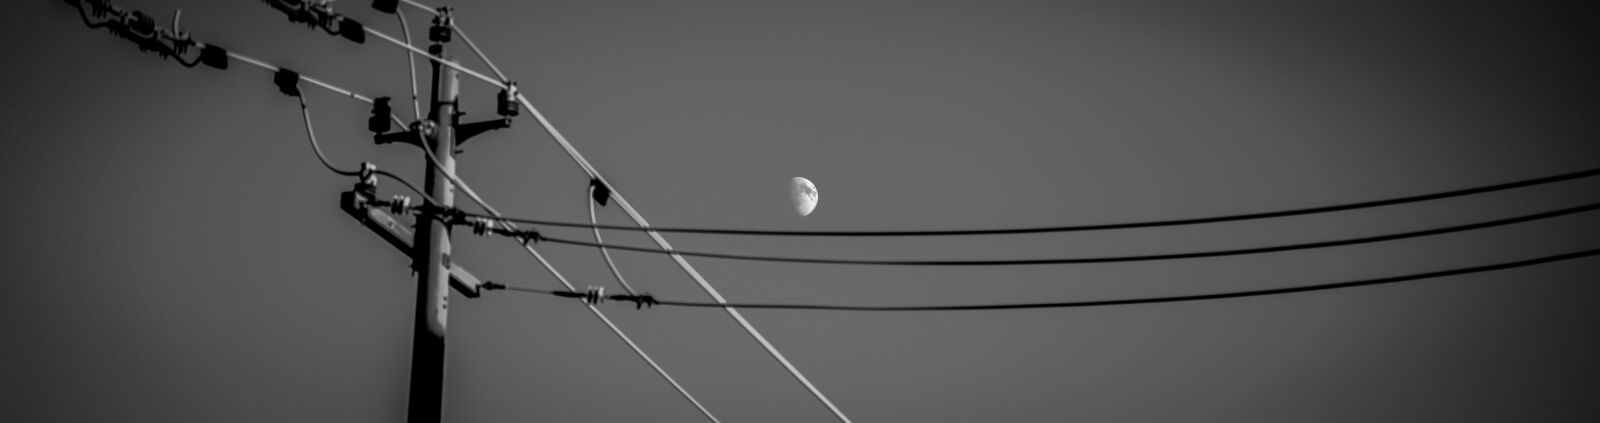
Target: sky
<point>178,253</point>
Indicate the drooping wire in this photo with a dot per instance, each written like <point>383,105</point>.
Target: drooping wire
<point>434,161</point>
<point>312,136</point>
<point>411,66</point>
<point>1105,259</point>
<point>603,251</point>
<point>688,269</point>
<point>1094,227</point>
<point>1125,301</point>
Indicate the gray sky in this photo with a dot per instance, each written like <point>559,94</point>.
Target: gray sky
<point>180,255</point>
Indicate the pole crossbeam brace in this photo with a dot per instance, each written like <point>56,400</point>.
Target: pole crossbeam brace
<point>400,236</point>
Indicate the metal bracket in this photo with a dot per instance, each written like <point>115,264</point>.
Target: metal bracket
<point>465,131</point>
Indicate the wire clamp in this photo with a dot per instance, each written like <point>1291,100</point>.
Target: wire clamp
<point>526,236</point>
<point>639,301</point>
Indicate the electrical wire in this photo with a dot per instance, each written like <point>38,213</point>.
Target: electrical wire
<point>1106,259</point>
<point>1093,227</point>
<point>688,269</point>
<point>271,68</point>
<point>411,66</point>
<point>603,251</point>
<point>476,51</point>
<point>1130,301</point>
<point>430,56</point>
<point>305,112</point>
<point>435,162</point>
<point>312,136</point>
<point>589,169</point>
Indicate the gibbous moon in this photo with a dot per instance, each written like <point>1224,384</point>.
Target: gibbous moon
<point>804,195</point>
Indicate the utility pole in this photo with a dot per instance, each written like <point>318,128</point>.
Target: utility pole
<point>432,251</point>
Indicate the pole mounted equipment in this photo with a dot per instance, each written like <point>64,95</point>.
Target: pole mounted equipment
<point>379,122</point>
<point>320,14</point>
<point>288,82</point>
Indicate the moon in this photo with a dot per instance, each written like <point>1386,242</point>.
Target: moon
<point>804,195</point>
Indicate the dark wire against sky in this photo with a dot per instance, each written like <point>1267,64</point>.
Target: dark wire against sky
<point>1091,303</point>
<point>1107,259</point>
<point>1093,227</point>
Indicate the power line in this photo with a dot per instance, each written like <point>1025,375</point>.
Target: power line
<point>1105,259</point>
<point>473,195</point>
<point>1092,227</point>
<point>411,66</point>
<point>368,167</point>
<point>603,251</point>
<point>577,158</point>
<point>312,135</point>
<point>217,57</point>
<point>647,300</point>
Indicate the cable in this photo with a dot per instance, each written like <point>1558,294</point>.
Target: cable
<point>545,123</point>
<point>476,51</point>
<point>407,184</point>
<point>1104,226</point>
<point>1131,301</point>
<point>330,87</point>
<point>603,252</point>
<point>688,269</point>
<point>411,65</point>
<point>1107,259</point>
<point>312,135</point>
<point>420,52</point>
<point>434,161</point>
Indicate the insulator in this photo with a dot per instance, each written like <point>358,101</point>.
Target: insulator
<point>141,24</point>
<point>214,56</point>
<point>507,104</point>
<point>399,204</point>
<point>379,122</point>
<point>594,295</point>
<point>385,6</point>
<point>440,32</point>
<point>288,82</point>
<point>352,30</point>
<point>480,226</point>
